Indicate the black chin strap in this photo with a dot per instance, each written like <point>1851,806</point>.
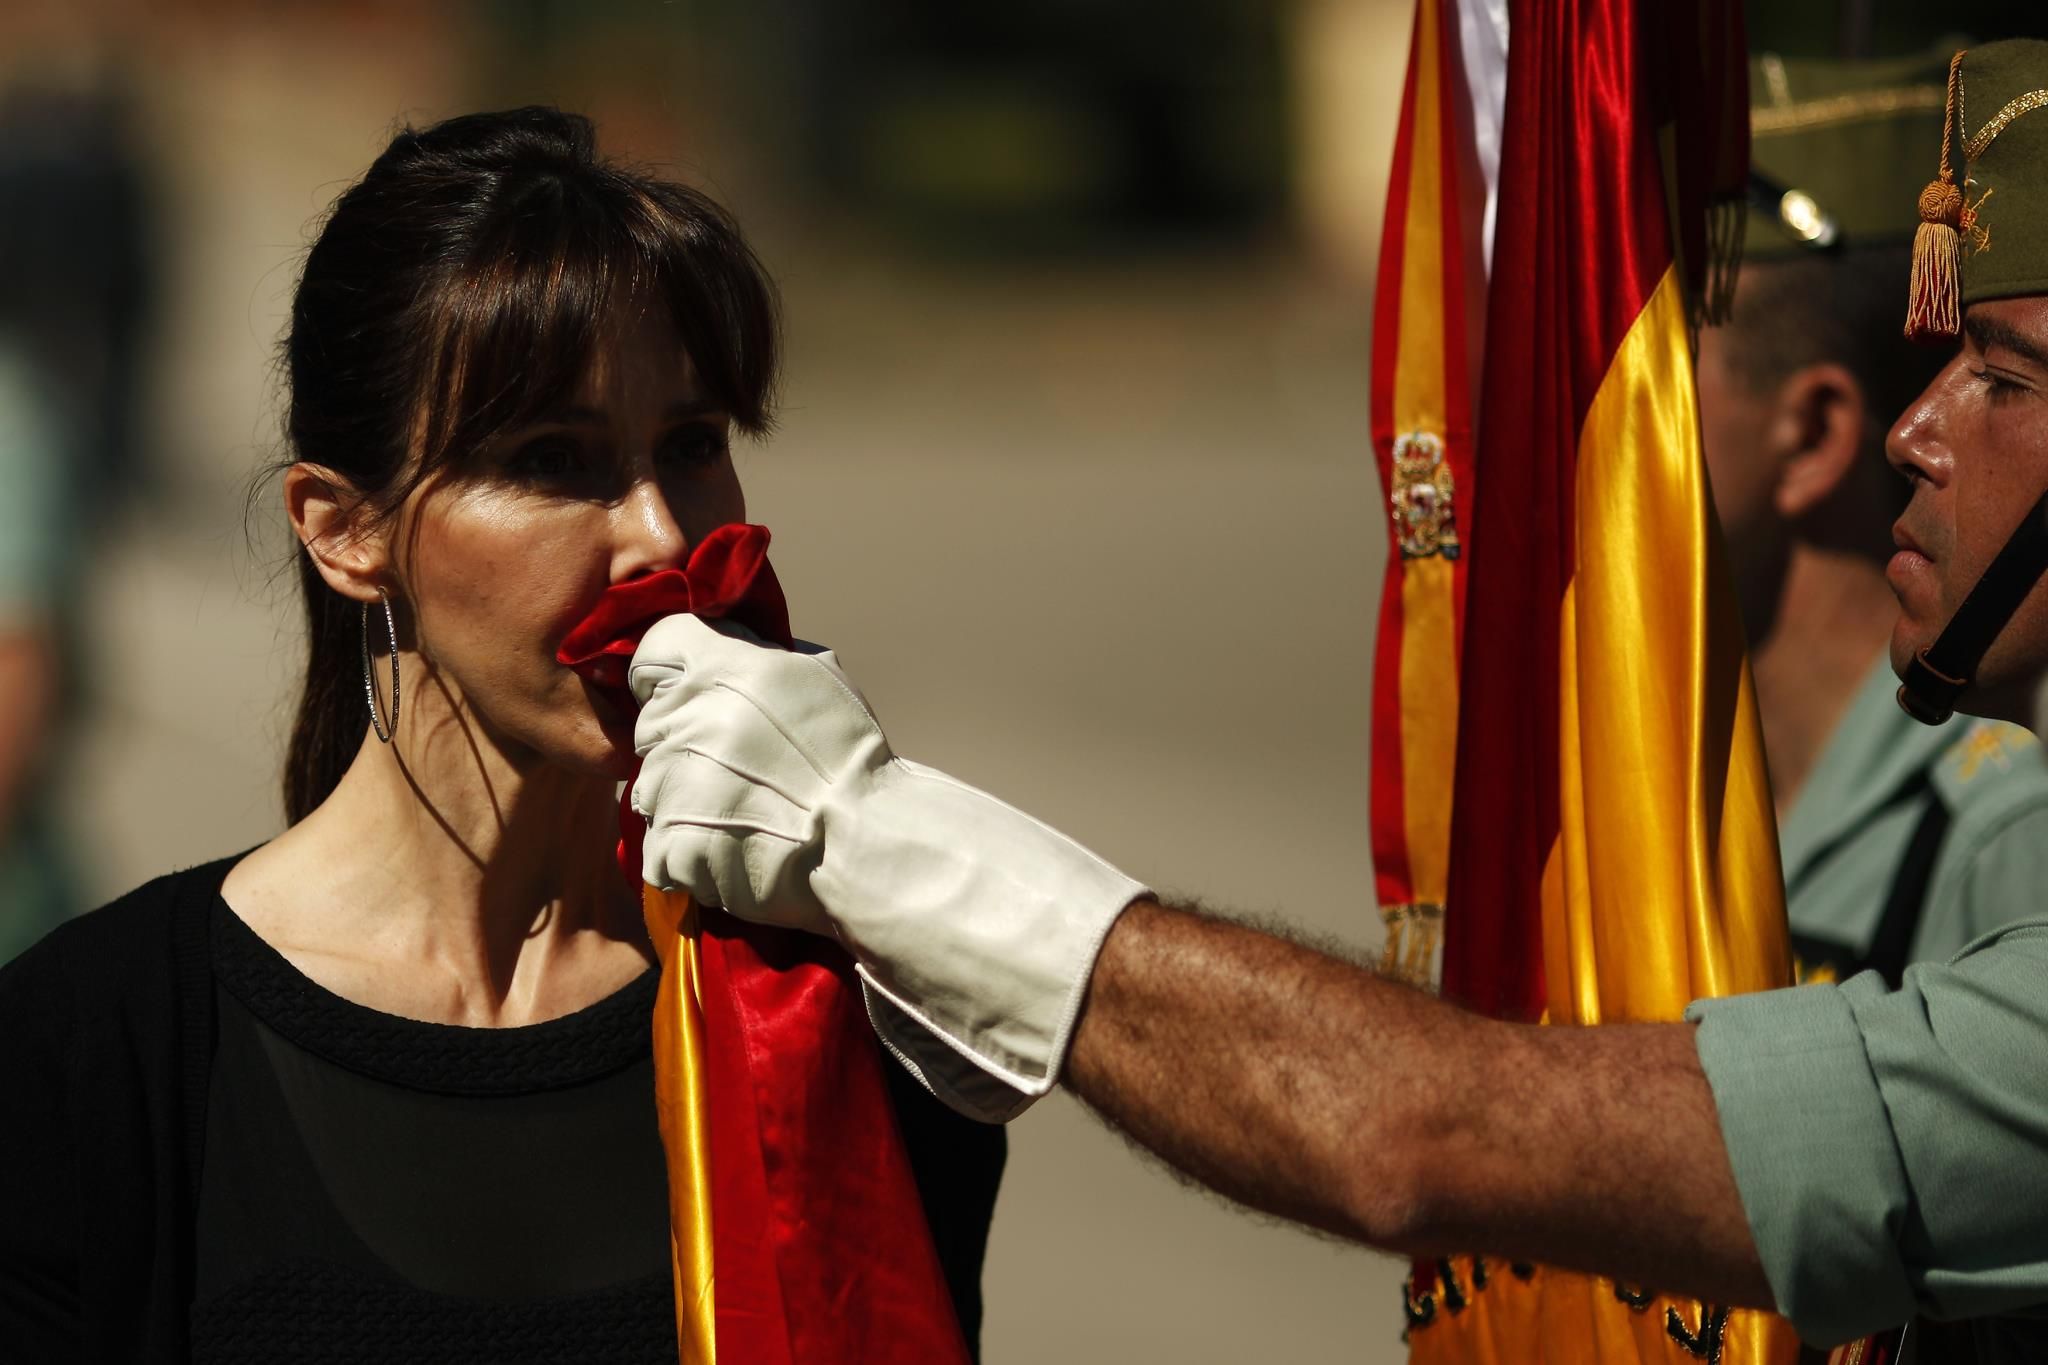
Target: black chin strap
<point>1940,671</point>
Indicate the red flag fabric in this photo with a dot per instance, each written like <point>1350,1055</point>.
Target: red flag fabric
<point>727,575</point>
<point>820,1248</point>
<point>1613,840</point>
<point>1426,330</point>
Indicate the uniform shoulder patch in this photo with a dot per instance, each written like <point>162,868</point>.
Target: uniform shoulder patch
<point>1992,764</point>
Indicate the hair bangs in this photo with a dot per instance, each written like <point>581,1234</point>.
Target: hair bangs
<point>691,256</point>
<point>529,309</point>
<point>520,321</point>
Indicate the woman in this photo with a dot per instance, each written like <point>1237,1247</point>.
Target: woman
<point>380,1089</point>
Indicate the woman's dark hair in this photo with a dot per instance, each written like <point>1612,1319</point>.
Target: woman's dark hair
<point>459,289</point>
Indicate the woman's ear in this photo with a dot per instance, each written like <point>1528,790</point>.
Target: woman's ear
<point>327,513</point>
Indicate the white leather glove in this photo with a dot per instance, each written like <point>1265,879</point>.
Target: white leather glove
<point>769,789</point>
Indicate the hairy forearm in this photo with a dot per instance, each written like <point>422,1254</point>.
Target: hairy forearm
<point>1307,1087</point>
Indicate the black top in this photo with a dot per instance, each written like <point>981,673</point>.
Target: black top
<point>212,1158</point>
<point>420,1179</point>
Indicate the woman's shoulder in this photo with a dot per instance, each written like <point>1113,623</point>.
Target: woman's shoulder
<point>106,954</point>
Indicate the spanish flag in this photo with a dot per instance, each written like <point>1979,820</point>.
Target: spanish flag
<point>797,1233</point>
<point>1612,850</point>
<point>1427,324</point>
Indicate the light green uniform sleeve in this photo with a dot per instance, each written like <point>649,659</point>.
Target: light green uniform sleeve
<point>35,514</point>
<point>1891,1148</point>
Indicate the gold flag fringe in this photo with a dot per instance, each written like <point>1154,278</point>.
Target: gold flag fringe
<point>1727,221</point>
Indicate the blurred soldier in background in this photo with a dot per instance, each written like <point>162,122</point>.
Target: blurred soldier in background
<point>71,307</point>
<point>35,513</point>
<point>1901,842</point>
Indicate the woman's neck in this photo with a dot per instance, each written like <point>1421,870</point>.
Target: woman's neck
<point>447,878</point>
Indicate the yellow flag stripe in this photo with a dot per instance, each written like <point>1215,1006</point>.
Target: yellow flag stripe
<point>1429,662</point>
<point>679,1105</point>
<point>1668,885</point>
<point>1663,885</point>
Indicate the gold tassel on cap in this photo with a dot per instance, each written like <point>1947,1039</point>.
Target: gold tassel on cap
<point>1932,311</point>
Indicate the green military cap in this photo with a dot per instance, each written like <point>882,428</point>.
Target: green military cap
<point>1984,217</point>
<point>1839,149</point>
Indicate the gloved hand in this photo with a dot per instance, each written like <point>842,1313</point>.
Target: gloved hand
<point>769,789</point>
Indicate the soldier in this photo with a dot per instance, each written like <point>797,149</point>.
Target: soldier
<point>1849,1154</point>
<point>1901,843</point>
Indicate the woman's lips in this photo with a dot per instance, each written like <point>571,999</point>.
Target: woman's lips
<point>615,707</point>
<point>605,679</point>
<point>607,671</point>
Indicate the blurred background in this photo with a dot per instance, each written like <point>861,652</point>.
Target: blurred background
<point>1072,469</point>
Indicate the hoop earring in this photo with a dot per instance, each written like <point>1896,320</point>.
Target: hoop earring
<point>369,678</point>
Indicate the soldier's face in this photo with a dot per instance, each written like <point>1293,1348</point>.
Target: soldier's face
<point>1974,446</point>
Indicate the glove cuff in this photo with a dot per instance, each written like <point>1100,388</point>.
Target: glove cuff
<point>991,1044</point>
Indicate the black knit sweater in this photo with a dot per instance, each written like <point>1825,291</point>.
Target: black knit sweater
<point>109,1034</point>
